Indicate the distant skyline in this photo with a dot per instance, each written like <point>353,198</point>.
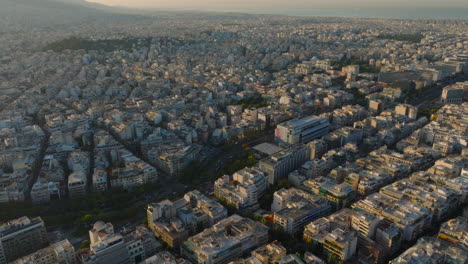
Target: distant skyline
<point>255,4</point>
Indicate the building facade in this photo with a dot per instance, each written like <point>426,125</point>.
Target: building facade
<point>301,130</point>
<point>21,237</point>
<point>280,164</point>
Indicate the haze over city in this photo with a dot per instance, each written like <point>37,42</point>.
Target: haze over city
<point>280,3</point>
<point>233,132</point>
<point>363,8</point>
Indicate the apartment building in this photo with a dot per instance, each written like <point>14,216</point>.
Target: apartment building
<point>226,241</point>
<point>173,221</point>
<point>301,130</point>
<point>280,164</point>
<point>20,237</point>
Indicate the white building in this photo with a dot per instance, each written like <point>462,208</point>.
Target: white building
<point>242,189</point>
<point>301,130</point>
<point>77,183</point>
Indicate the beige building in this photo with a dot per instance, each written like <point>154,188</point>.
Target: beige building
<point>226,241</point>
<point>173,221</point>
<point>407,110</point>
<point>77,184</point>
<point>270,253</point>
<point>59,253</point>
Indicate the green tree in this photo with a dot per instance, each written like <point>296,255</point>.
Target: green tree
<point>87,219</point>
<point>85,244</point>
<point>334,259</point>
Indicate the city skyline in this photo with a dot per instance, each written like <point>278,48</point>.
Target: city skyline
<point>233,132</point>
<point>277,3</point>
<point>453,9</point>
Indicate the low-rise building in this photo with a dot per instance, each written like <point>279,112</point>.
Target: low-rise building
<point>243,189</point>
<point>410,218</point>
<point>164,257</point>
<point>226,241</point>
<point>77,184</point>
<point>100,182</point>
<point>172,222</point>
<point>334,234</point>
<point>454,94</point>
<point>106,246</point>
<point>339,195</point>
<point>301,130</point>
<point>388,235</point>
<point>455,231</point>
<point>58,253</point>
<point>432,250</point>
<point>407,110</point>
<point>280,164</point>
<point>365,224</point>
<point>310,258</point>
<point>341,243</point>
<point>290,259</point>
<point>294,208</point>
<point>270,253</point>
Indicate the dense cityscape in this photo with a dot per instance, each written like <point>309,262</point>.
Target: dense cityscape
<point>196,137</point>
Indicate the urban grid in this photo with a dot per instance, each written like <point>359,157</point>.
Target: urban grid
<point>200,137</point>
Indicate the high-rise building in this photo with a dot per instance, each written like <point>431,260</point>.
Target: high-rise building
<point>21,237</point>
<point>301,130</point>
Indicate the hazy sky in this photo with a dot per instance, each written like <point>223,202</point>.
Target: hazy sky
<point>217,4</point>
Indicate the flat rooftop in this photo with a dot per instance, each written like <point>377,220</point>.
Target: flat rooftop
<point>268,148</point>
<point>300,122</point>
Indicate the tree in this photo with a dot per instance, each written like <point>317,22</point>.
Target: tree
<point>251,160</point>
<point>277,228</point>
<point>85,244</point>
<point>258,217</point>
<point>334,259</point>
<point>87,219</point>
<point>298,255</point>
<point>200,227</point>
